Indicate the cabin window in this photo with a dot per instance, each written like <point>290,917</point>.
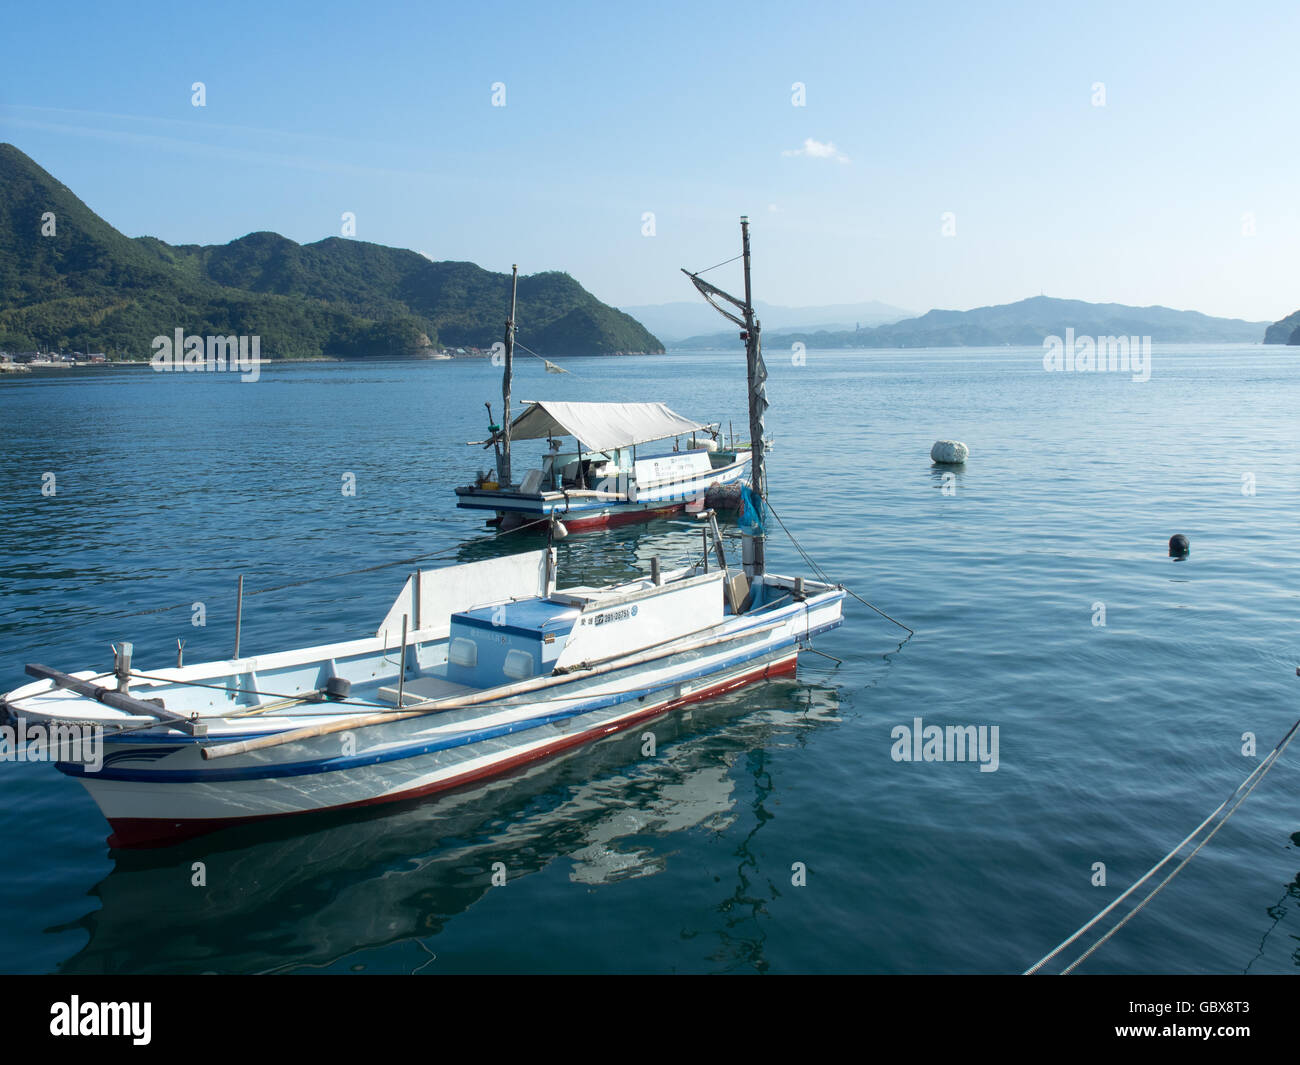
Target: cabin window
<point>463,652</point>
<point>519,665</point>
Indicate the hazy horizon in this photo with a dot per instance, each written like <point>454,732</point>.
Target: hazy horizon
<point>937,157</point>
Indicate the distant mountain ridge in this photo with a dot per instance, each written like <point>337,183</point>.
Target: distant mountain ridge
<point>87,287</point>
<point>1026,322</point>
<point>690,318</point>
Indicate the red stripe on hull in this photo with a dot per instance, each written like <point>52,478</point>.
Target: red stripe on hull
<point>608,521</point>
<point>138,832</point>
<point>577,523</point>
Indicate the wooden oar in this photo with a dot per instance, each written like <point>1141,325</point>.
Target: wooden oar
<point>117,700</point>
<point>225,750</point>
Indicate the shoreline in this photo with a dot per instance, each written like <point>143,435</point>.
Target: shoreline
<point>26,367</point>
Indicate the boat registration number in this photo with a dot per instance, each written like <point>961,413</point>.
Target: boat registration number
<point>611,616</point>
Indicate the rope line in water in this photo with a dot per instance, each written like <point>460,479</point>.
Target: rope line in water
<point>808,560</point>
<point>910,632</point>
<point>1257,774</point>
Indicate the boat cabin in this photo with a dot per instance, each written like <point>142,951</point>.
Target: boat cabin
<point>603,479</point>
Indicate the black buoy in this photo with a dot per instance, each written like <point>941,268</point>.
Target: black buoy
<point>1178,546</point>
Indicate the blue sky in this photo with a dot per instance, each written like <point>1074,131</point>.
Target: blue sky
<point>685,110</point>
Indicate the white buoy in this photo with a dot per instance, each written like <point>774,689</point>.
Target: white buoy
<point>949,452</point>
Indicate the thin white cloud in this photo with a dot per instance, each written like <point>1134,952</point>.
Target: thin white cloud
<point>815,149</point>
<point>188,124</point>
<point>184,145</point>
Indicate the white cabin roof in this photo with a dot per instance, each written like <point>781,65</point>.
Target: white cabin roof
<point>601,426</point>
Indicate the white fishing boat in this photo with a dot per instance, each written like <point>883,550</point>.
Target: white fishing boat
<point>600,479</point>
<point>604,480</point>
<point>477,669</point>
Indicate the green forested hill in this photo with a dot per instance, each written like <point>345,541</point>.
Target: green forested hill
<point>88,287</point>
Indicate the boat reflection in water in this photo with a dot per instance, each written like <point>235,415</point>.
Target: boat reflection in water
<point>604,556</point>
<point>374,890</point>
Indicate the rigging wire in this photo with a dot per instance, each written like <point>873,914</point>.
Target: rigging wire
<point>542,357</point>
<point>731,260</point>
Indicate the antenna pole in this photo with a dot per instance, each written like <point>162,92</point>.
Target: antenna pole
<point>504,472</point>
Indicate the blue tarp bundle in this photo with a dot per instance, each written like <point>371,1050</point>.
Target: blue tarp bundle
<point>751,521</point>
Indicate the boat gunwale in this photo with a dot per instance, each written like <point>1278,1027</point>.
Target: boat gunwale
<point>397,750</point>
<point>490,697</point>
<point>326,653</point>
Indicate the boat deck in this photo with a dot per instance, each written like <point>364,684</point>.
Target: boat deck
<point>483,648</point>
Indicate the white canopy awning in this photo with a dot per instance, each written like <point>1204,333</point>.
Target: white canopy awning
<point>601,426</point>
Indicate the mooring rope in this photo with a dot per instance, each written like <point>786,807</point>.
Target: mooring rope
<point>1259,772</point>
<point>825,578</point>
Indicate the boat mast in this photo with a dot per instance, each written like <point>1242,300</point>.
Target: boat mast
<point>503,473</point>
<point>756,373</point>
<point>756,378</point>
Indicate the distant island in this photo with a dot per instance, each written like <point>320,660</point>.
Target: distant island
<point>69,281</point>
<point>1027,322</point>
<point>1287,331</point>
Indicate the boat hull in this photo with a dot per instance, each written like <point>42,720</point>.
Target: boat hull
<point>155,794</point>
<point>585,521</point>
<point>584,510</point>
<point>146,832</point>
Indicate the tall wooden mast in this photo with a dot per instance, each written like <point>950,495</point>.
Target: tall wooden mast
<point>757,388</point>
<point>503,474</point>
<point>756,372</point>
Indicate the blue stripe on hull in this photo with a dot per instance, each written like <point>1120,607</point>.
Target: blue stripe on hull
<point>331,765</point>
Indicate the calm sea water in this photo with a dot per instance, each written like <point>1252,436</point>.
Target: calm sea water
<point>1114,741</point>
